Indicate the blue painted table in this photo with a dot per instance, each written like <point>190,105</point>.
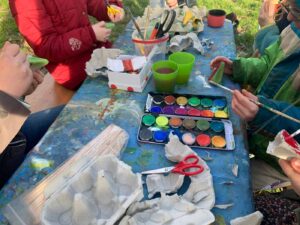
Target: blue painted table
<point>95,106</point>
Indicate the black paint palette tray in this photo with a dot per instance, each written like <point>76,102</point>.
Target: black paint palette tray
<point>196,132</point>
<point>187,105</point>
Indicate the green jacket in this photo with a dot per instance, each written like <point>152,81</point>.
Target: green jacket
<point>275,76</point>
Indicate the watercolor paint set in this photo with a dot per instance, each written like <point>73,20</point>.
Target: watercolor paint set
<point>198,132</point>
<point>187,105</point>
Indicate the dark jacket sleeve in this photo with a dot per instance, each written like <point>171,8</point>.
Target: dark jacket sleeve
<point>12,116</point>
<point>35,25</point>
<point>97,8</point>
<point>274,123</point>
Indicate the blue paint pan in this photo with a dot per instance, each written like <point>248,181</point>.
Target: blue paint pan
<point>217,126</point>
<point>219,103</point>
<point>160,136</point>
<point>156,109</point>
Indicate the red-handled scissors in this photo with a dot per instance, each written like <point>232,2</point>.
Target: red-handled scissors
<point>183,167</point>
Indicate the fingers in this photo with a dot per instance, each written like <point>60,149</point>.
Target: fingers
<point>236,107</point>
<point>216,61</point>
<point>102,33</point>
<point>295,164</point>
<point>117,14</point>
<point>101,24</point>
<point>21,57</point>
<point>11,49</point>
<point>243,107</point>
<point>107,34</point>
<point>249,95</point>
<point>242,99</point>
<point>38,77</point>
<point>287,169</point>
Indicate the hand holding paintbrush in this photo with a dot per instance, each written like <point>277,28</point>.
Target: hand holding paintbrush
<point>244,104</point>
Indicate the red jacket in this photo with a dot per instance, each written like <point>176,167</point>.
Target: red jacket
<point>60,31</point>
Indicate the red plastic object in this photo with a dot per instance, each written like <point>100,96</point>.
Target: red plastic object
<point>130,89</point>
<point>290,140</point>
<point>189,162</point>
<point>216,17</point>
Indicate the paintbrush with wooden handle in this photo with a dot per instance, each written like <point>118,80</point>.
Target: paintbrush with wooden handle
<point>275,111</point>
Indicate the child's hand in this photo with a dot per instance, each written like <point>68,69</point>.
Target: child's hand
<point>38,78</point>
<point>118,16</point>
<point>102,33</point>
<point>172,3</point>
<point>215,63</point>
<point>292,170</point>
<point>15,74</point>
<point>242,106</point>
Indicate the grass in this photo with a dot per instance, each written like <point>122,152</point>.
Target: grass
<point>246,10</point>
<point>8,29</point>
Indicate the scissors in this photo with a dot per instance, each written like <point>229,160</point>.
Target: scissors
<point>166,22</point>
<point>189,162</point>
<point>111,10</point>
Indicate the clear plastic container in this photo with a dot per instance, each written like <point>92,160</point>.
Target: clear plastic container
<point>144,47</point>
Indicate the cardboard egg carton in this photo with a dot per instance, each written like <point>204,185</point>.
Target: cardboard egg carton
<point>98,194</point>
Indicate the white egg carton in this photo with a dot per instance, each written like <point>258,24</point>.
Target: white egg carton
<point>97,195</point>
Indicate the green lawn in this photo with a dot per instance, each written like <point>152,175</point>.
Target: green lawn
<point>246,10</point>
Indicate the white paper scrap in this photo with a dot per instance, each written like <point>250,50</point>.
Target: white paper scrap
<point>224,206</point>
<point>251,219</point>
<point>117,65</point>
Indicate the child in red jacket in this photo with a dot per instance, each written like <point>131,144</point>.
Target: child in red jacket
<point>61,32</point>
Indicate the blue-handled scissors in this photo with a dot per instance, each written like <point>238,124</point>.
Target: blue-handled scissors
<point>183,167</point>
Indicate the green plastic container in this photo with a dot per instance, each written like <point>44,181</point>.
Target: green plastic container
<point>164,73</point>
<point>185,62</point>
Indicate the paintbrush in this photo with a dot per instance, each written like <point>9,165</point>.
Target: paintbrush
<point>293,135</point>
<point>147,22</point>
<point>135,23</point>
<point>275,111</point>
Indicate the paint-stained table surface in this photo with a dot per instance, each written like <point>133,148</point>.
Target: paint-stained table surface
<point>95,106</point>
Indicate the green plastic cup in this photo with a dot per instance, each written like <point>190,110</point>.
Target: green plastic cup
<point>164,73</point>
<point>185,62</point>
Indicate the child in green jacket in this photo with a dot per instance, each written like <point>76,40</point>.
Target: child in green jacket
<point>275,77</point>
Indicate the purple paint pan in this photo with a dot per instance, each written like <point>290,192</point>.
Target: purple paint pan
<point>168,110</point>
